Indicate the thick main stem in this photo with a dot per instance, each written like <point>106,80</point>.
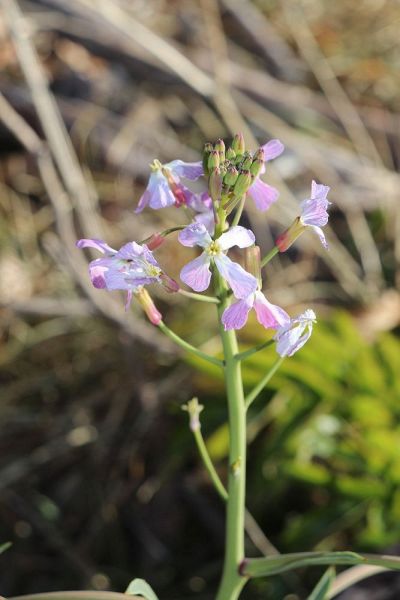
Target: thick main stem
<point>232,582</point>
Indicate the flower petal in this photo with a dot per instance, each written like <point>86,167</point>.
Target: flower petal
<point>196,274</point>
<point>97,268</point>
<point>194,234</point>
<point>264,195</point>
<point>236,236</point>
<point>269,315</point>
<point>158,193</point>
<point>235,316</point>
<point>292,336</point>
<point>190,171</point>
<point>206,219</point>
<point>321,236</point>
<point>272,149</point>
<point>242,283</point>
<point>97,244</point>
<point>319,191</point>
<point>313,212</point>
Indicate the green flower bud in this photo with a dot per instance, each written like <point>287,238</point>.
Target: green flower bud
<point>220,148</point>
<point>230,154</point>
<point>256,167</point>
<point>238,144</point>
<point>213,160</point>
<point>206,153</point>
<point>246,161</point>
<point>242,184</point>
<point>231,176</point>
<point>215,184</point>
<point>253,262</point>
<point>259,155</point>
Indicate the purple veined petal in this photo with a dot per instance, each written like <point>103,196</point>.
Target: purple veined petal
<point>272,149</point>
<point>235,316</point>
<point>97,244</point>
<point>143,202</point>
<point>194,234</point>
<point>197,274</point>
<point>264,195</point>
<point>313,212</point>
<point>242,283</point>
<point>130,251</point>
<point>159,194</point>
<point>206,219</point>
<point>190,171</point>
<point>236,236</point>
<point>97,269</point>
<point>292,336</point>
<point>200,202</point>
<point>118,279</point>
<point>321,236</point>
<point>319,191</point>
<point>128,299</point>
<point>269,315</point>
<point>294,339</point>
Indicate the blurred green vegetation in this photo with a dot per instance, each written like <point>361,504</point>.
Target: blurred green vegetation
<point>323,466</point>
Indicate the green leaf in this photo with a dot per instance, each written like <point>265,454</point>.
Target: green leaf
<point>323,586</point>
<point>260,567</point>
<point>5,547</point>
<point>142,588</point>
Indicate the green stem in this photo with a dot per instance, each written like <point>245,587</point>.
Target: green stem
<point>186,346</point>
<point>261,385</point>
<point>239,211</point>
<point>201,446</point>
<point>251,351</point>
<point>232,582</point>
<point>270,255</point>
<point>200,297</point>
<point>261,567</point>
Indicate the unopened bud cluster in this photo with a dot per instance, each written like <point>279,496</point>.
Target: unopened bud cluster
<point>231,171</point>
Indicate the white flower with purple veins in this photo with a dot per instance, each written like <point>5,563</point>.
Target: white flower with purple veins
<point>129,268</point>
<point>265,195</point>
<point>197,273</point>
<point>293,335</point>
<point>268,315</point>
<point>165,188</point>
<point>314,210</point>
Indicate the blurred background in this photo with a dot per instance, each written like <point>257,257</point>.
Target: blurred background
<point>99,477</point>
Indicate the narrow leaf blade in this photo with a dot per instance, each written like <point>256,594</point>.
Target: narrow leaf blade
<point>141,588</point>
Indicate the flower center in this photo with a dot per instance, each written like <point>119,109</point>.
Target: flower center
<point>213,248</point>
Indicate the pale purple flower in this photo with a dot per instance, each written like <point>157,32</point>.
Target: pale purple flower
<point>197,273</point>
<point>203,206</point>
<point>268,315</point>
<point>314,210</point>
<point>293,335</point>
<point>265,195</point>
<point>129,268</point>
<point>165,188</point>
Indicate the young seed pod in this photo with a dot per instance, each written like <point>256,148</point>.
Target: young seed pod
<point>253,262</point>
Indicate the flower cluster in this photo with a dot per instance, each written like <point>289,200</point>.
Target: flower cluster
<point>232,174</point>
